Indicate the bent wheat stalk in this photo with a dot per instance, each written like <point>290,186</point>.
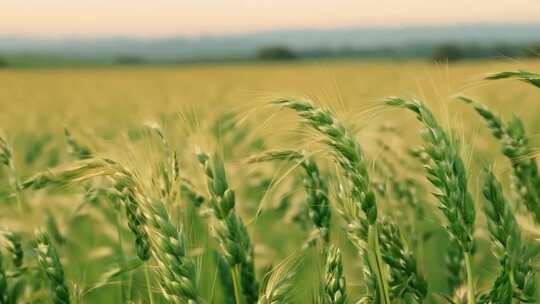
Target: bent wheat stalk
<point>516,147</point>
<point>316,189</point>
<point>528,77</point>
<point>125,184</point>
<point>279,286</point>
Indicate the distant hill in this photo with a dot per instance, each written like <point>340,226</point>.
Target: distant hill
<point>243,45</point>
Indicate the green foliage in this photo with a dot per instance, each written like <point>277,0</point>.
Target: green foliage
<point>448,52</point>
<point>276,53</point>
<point>3,63</point>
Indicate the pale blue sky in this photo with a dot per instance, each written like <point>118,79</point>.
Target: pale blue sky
<point>152,18</point>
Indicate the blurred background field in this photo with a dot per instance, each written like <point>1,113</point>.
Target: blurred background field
<point>91,96</point>
<point>105,104</point>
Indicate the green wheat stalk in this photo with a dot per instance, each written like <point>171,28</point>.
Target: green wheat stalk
<point>12,243</point>
<point>166,176</point>
<point>230,230</point>
<point>357,232</point>
<point>454,266</point>
<point>176,269</point>
<point>517,271</point>
<point>6,159</point>
<point>4,294</point>
<point>348,154</point>
<point>405,280</point>
<point>189,193</point>
<point>516,147</point>
<point>446,171</point>
<point>334,283</point>
<point>76,149</point>
<point>49,263</point>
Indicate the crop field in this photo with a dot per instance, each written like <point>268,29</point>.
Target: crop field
<point>307,182</point>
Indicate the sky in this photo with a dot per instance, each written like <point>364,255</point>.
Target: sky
<point>160,18</point>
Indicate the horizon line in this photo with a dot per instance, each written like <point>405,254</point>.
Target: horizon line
<point>80,36</point>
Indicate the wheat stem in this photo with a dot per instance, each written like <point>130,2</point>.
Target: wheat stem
<point>148,285</point>
<point>471,292</point>
<point>375,257</point>
<point>121,247</point>
<point>235,272</point>
<point>4,296</point>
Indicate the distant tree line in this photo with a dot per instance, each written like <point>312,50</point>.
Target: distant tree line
<point>3,63</point>
<point>447,52</point>
<point>443,52</point>
<point>453,52</point>
<point>129,60</point>
<point>276,53</point>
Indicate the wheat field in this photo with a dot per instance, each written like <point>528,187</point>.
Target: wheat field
<point>303,182</point>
